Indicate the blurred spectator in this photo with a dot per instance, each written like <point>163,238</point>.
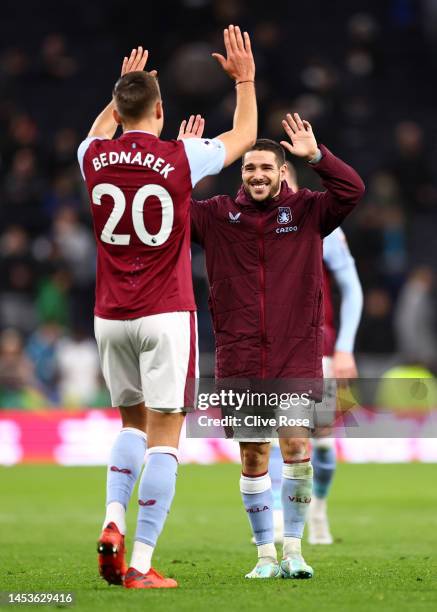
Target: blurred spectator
<point>79,369</point>
<point>385,234</point>
<point>22,191</point>
<point>367,242</point>
<point>14,71</point>
<point>56,62</point>
<point>64,193</point>
<point>22,134</point>
<point>63,154</point>
<point>101,397</point>
<point>76,246</point>
<point>411,167</point>
<point>17,269</point>
<point>52,302</point>
<point>193,72</point>
<point>18,388</point>
<point>413,170</point>
<point>365,56</point>
<point>415,321</point>
<point>42,349</point>
<point>394,247</point>
<point>13,63</point>
<point>16,370</point>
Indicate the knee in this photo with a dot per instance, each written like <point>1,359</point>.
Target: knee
<point>294,449</point>
<point>254,458</point>
<point>134,416</point>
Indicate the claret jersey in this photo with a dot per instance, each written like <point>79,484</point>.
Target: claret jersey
<point>140,190</point>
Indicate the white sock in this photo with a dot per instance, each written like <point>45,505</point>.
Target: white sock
<point>266,553</point>
<point>141,558</point>
<point>318,507</point>
<point>292,547</point>
<point>115,513</point>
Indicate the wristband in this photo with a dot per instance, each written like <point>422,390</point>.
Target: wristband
<point>239,82</point>
<point>318,156</point>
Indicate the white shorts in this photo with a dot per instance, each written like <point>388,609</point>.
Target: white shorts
<point>152,359</point>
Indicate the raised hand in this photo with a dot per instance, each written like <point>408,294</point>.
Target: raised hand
<point>303,142</point>
<point>193,128</point>
<point>137,60</point>
<point>238,63</point>
<point>343,365</point>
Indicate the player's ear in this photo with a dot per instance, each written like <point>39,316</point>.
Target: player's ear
<point>159,111</point>
<point>116,116</point>
<point>282,171</point>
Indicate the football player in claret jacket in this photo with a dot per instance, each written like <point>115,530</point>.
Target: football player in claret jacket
<point>266,301</point>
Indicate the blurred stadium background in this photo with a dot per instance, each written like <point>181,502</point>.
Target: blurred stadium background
<point>362,72</point>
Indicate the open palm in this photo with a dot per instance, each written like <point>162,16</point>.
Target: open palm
<point>238,63</point>
<point>302,140</point>
<point>137,60</point>
<point>193,128</point>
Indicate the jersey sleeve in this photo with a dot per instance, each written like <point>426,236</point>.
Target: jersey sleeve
<point>83,148</point>
<point>336,254</point>
<point>340,262</point>
<point>205,157</point>
<point>350,308</point>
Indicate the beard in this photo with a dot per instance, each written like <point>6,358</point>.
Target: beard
<point>263,191</point>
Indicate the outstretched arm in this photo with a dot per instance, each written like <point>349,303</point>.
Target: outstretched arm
<point>240,66</point>
<point>105,125</point>
<point>207,157</point>
<point>340,263</point>
<point>344,187</point>
<point>350,314</point>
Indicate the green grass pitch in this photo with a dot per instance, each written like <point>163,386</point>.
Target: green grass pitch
<point>384,519</point>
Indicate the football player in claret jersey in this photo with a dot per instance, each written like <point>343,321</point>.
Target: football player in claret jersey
<point>145,323</point>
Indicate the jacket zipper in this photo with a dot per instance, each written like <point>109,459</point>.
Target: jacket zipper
<point>262,280</point>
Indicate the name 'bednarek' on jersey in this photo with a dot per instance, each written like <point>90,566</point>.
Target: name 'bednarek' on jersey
<point>140,191</point>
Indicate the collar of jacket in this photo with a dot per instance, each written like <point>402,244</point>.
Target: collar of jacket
<point>244,199</point>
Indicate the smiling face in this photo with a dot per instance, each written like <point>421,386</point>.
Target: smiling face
<point>262,175</point>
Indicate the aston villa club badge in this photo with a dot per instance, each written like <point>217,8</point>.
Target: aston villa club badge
<point>284,215</point>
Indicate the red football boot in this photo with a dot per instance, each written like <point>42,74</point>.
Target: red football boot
<point>151,580</point>
<point>112,565</point>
